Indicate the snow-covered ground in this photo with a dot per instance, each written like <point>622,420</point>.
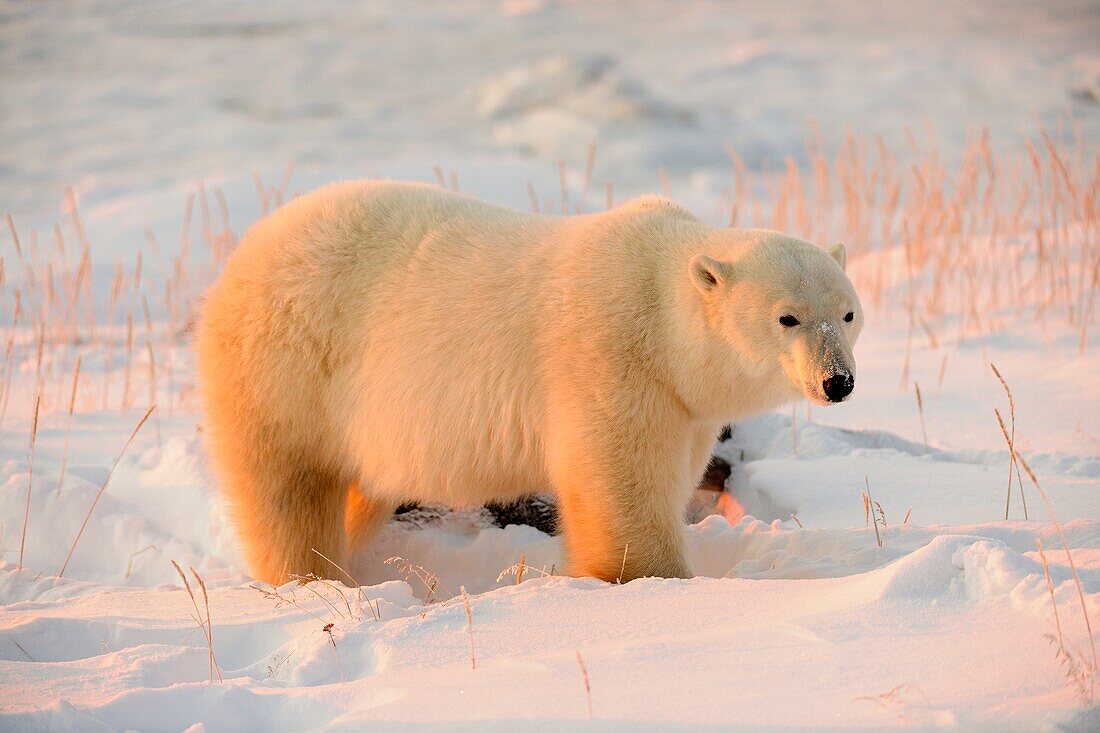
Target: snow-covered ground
<point>805,614</point>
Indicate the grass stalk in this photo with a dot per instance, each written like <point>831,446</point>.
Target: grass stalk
<point>587,684</point>
<point>30,481</point>
<point>469,626</point>
<point>920,412</point>
<point>102,488</point>
<point>1072,568</point>
<point>205,625</point>
<point>69,424</point>
<point>375,611</point>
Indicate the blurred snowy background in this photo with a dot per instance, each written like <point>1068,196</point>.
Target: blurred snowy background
<point>119,98</point>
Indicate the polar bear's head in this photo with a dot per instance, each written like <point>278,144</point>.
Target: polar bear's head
<point>783,302</point>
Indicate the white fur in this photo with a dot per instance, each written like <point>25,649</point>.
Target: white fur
<point>428,346</point>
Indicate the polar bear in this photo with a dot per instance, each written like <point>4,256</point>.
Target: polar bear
<point>373,343</point>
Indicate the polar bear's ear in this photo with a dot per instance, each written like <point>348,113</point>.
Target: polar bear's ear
<point>708,273</point>
<point>838,253</point>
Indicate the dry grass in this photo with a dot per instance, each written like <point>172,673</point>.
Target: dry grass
<point>1079,673</point>
<point>1010,439</point>
<point>520,569</point>
<point>133,555</point>
<point>587,684</point>
<point>30,481</point>
<point>280,600</point>
<point>563,179</point>
<point>8,354</point>
<point>102,488</point>
<point>373,607</point>
<point>335,652</point>
<point>1082,673</point>
<point>307,580</point>
<point>522,566</point>
<point>959,246</point>
<point>327,624</point>
<point>201,616</point>
<point>1092,667</point>
<point>898,700</point>
<point>276,665</point>
<point>969,244</point>
<point>533,196</point>
<point>55,307</point>
<point>873,514</point>
<point>469,626</point>
<point>622,569</point>
<point>69,425</point>
<point>920,411</point>
<point>429,579</point>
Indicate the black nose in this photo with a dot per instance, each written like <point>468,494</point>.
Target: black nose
<point>838,386</point>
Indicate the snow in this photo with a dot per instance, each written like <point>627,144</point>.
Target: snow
<point>125,98</point>
<point>685,650</point>
<point>803,615</point>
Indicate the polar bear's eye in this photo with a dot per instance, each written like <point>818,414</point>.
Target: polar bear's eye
<point>849,316</point>
<point>788,321</point>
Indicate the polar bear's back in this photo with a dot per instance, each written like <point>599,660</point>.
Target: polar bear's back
<point>367,226</point>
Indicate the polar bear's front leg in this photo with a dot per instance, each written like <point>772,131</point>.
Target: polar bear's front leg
<point>622,499</point>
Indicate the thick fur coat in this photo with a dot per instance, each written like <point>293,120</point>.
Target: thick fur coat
<point>373,343</point>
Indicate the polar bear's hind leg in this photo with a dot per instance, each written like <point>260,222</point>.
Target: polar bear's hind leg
<point>284,512</point>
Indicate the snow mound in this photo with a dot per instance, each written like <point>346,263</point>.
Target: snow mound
<point>591,87</point>
<point>562,103</point>
<point>384,661</point>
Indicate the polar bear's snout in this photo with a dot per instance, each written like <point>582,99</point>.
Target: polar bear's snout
<point>839,386</point>
<point>831,374</point>
<point>824,369</point>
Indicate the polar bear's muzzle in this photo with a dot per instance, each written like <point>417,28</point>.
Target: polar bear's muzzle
<point>824,368</point>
